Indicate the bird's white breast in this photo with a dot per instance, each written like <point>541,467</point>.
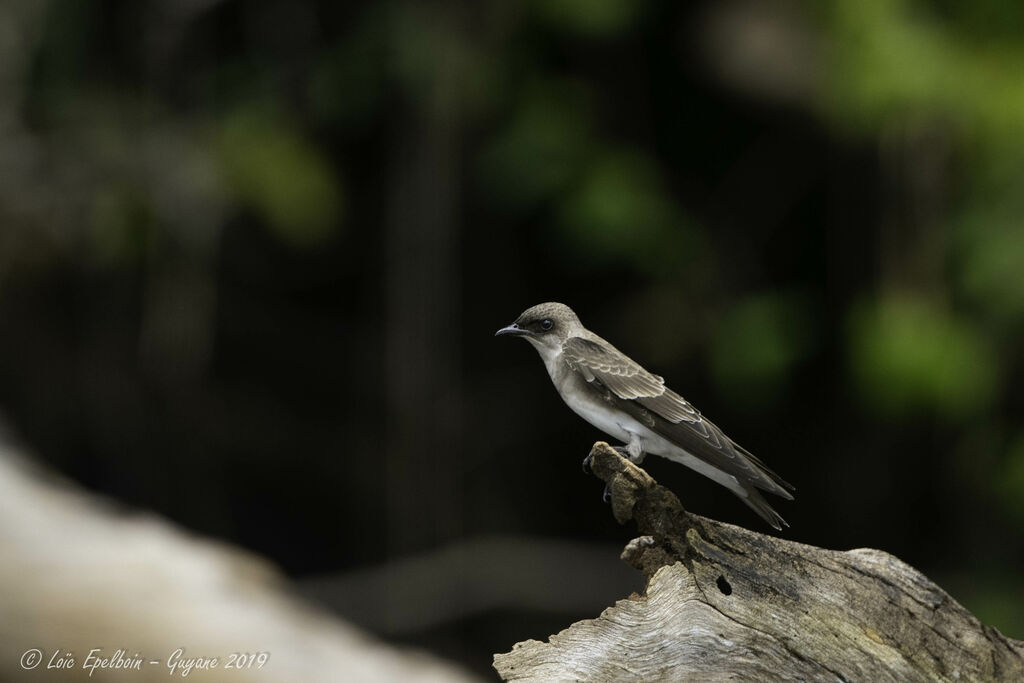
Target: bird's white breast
<point>611,422</point>
<point>587,404</point>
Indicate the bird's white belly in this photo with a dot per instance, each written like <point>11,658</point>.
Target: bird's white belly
<point>640,439</point>
<point>625,428</point>
<point>611,422</point>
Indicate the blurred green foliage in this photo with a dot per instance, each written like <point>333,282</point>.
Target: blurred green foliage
<point>907,355</point>
<point>888,57</point>
<point>349,80</point>
<point>990,255</point>
<point>439,69</point>
<point>757,344</point>
<point>541,148</point>
<point>1009,479</point>
<point>590,18</point>
<point>619,212</point>
<point>122,225</point>
<point>275,171</point>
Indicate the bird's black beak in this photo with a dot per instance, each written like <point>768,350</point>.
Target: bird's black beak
<point>513,329</point>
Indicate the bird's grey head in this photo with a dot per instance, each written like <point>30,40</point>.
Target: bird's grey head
<point>545,326</point>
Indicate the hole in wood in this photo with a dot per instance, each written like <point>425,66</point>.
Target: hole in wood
<point>723,585</point>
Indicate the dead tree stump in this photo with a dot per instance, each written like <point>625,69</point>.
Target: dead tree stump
<point>725,603</point>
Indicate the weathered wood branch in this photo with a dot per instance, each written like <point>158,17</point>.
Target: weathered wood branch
<point>727,603</point>
<point>79,573</point>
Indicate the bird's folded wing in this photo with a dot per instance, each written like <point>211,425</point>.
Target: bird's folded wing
<point>626,378</point>
<point>645,396</point>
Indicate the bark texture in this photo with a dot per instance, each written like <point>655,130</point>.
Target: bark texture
<point>725,603</point>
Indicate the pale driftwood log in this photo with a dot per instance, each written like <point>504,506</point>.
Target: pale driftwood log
<point>725,603</point>
<point>78,572</point>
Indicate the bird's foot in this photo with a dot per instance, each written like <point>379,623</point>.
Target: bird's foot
<point>607,495</point>
<point>621,450</point>
<point>624,452</point>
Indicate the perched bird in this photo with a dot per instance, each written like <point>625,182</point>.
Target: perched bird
<point>615,394</point>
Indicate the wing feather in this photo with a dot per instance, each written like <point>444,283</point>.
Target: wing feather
<point>626,378</point>
<point>645,396</point>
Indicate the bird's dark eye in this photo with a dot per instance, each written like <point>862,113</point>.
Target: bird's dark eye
<point>546,324</point>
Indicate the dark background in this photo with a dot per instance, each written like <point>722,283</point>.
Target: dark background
<point>253,255</point>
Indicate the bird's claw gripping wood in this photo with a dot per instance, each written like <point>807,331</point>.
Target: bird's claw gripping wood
<point>626,484</point>
<point>606,495</point>
<point>621,450</point>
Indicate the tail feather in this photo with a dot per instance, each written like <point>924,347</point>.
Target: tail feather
<point>753,498</point>
<point>774,483</point>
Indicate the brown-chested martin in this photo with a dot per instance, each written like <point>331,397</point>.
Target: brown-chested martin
<point>615,394</point>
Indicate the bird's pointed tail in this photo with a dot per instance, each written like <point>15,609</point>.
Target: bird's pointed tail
<point>758,504</point>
